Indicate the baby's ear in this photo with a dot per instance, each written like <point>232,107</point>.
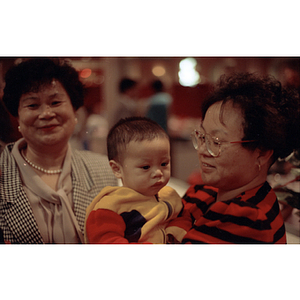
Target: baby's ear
<point>116,168</point>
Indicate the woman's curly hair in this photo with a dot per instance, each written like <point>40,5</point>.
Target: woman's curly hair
<point>31,74</point>
<point>271,112</point>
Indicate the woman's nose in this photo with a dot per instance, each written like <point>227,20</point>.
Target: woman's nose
<point>202,149</point>
<point>46,112</point>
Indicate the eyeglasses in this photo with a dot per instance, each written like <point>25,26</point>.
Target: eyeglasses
<point>213,144</point>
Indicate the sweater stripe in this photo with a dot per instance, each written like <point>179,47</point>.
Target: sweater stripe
<point>252,217</point>
<point>224,236</point>
<point>260,195</point>
<point>238,220</point>
<point>280,233</point>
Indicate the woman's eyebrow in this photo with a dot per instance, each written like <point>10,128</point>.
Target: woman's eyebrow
<point>215,131</point>
<point>54,95</point>
<point>29,97</point>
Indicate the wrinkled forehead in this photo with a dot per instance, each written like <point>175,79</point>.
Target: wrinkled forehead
<point>224,116</point>
<point>225,111</point>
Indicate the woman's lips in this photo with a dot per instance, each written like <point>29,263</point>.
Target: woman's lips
<point>206,167</point>
<point>48,128</point>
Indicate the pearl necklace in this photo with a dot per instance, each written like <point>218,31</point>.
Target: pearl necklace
<point>49,172</point>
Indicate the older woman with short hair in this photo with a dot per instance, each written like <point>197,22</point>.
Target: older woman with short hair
<point>45,185</point>
<point>247,124</point>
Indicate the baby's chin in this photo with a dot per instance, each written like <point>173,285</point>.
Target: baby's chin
<point>151,193</point>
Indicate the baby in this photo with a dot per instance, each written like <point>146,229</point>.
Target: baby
<point>139,211</point>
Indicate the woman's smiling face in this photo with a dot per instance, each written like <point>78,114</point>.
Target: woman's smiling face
<point>236,166</point>
<point>46,117</point>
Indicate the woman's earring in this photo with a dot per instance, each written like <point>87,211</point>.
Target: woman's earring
<point>76,120</point>
<point>19,128</point>
<point>259,167</point>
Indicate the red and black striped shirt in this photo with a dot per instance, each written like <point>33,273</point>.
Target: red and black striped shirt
<point>253,217</point>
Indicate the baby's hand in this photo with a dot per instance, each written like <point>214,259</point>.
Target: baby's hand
<point>171,239</point>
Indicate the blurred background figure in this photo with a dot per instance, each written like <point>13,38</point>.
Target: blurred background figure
<point>127,105</point>
<point>159,104</point>
<point>78,137</point>
<point>96,129</point>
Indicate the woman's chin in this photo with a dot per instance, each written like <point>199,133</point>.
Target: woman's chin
<point>208,179</point>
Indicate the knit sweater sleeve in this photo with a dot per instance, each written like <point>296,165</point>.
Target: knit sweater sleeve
<point>104,226</point>
<point>195,203</point>
<point>178,227</point>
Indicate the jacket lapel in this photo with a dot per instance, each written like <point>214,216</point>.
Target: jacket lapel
<point>82,185</point>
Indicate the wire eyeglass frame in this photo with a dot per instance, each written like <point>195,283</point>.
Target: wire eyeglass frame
<point>199,138</point>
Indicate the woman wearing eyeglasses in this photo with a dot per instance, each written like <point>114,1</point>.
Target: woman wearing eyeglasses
<point>247,124</point>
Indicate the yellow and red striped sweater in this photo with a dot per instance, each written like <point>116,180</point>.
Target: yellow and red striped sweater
<point>121,215</point>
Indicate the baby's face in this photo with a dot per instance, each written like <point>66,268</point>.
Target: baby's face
<point>146,166</point>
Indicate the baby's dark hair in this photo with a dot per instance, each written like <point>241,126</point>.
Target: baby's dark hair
<point>271,112</point>
<point>131,129</point>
